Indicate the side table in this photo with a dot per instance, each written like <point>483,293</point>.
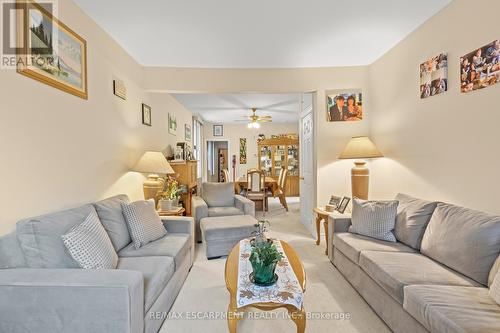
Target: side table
<point>322,214</point>
<point>179,212</point>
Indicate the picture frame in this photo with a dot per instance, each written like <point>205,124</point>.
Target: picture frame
<point>187,132</point>
<point>434,76</point>
<point>59,61</point>
<point>343,205</point>
<point>344,105</point>
<point>172,124</point>
<point>243,150</point>
<point>480,68</point>
<point>335,201</point>
<point>146,115</point>
<point>119,89</point>
<point>218,130</point>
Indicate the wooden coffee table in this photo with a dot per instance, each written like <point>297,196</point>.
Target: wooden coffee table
<point>231,275</point>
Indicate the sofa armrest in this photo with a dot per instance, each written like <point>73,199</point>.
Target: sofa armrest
<point>244,204</point>
<point>199,210</point>
<point>71,300</point>
<point>336,224</point>
<point>183,225</point>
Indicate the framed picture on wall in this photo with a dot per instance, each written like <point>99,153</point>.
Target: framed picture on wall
<point>344,105</point>
<point>434,76</point>
<point>172,124</point>
<point>187,132</point>
<point>146,114</point>
<point>218,130</point>
<point>480,68</point>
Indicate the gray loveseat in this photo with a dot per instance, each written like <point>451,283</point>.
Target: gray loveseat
<point>42,289</point>
<point>435,278</point>
<point>218,199</point>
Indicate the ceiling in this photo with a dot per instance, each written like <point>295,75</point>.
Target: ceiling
<point>227,108</point>
<point>259,33</point>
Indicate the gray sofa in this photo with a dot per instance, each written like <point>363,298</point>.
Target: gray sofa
<point>42,289</point>
<point>218,199</point>
<point>435,278</point>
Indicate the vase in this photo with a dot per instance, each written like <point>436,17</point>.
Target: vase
<point>166,205</point>
<point>263,275</point>
<point>175,203</point>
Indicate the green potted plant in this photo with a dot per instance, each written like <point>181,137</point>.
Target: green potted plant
<point>264,257</point>
<point>169,196</point>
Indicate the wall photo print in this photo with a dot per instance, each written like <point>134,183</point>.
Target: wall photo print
<point>344,105</point>
<point>146,114</point>
<point>172,124</point>
<point>480,68</point>
<point>434,76</point>
<point>243,151</point>
<point>187,132</point>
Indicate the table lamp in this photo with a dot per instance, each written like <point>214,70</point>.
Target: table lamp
<point>360,147</point>
<point>153,163</point>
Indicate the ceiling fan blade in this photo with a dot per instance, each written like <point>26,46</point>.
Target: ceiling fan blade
<point>264,117</point>
<point>264,120</point>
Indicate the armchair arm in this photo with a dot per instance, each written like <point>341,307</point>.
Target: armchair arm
<point>181,224</point>
<point>71,300</point>
<point>244,204</point>
<point>336,224</point>
<point>199,209</point>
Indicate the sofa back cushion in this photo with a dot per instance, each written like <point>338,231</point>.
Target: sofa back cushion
<point>374,219</point>
<point>494,270</point>
<point>495,288</point>
<point>465,240</point>
<point>111,216</point>
<point>412,219</point>
<point>40,237</point>
<point>143,222</point>
<point>11,254</point>
<point>218,194</point>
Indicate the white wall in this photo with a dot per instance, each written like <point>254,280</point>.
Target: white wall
<point>444,147</point>
<point>233,133</point>
<point>58,150</point>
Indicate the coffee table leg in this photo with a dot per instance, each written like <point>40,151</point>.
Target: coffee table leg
<point>232,318</point>
<point>318,226</point>
<point>299,318</point>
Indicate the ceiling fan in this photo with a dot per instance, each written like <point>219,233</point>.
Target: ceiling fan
<point>255,120</point>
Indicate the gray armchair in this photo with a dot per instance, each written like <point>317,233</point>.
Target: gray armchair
<point>218,199</point>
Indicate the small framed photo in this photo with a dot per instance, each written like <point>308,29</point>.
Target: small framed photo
<point>187,132</point>
<point>335,201</point>
<point>343,205</point>
<point>146,114</point>
<point>218,130</point>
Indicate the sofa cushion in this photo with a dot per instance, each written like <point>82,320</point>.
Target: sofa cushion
<point>89,244</point>
<point>218,194</point>
<point>453,309</point>
<point>374,218</point>
<point>412,219</point>
<point>224,211</point>
<point>11,254</point>
<point>495,288</point>
<point>40,237</point>
<point>111,216</point>
<point>393,271</point>
<point>463,239</point>
<point>143,222</point>
<point>351,245</point>
<point>227,227</point>
<point>156,271</point>
<point>172,245</point>
<point>494,270</point>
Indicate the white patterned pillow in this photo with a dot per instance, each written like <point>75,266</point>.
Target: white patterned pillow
<point>143,222</point>
<point>89,244</point>
<point>374,219</point>
<point>495,288</point>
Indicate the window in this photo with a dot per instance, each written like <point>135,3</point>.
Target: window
<point>197,145</point>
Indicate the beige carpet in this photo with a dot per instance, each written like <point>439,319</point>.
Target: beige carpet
<point>204,296</point>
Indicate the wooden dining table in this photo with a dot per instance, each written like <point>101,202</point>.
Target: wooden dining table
<point>270,183</point>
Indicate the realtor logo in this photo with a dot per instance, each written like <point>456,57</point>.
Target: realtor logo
<point>14,16</point>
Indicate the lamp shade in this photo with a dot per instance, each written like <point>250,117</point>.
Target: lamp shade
<point>360,147</point>
<point>153,162</point>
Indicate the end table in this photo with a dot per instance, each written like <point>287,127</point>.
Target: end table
<point>179,212</point>
<point>322,214</point>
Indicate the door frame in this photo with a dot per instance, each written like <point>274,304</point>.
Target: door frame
<point>205,149</point>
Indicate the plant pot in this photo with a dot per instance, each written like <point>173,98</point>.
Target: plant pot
<point>263,275</point>
<point>175,202</point>
<point>166,205</point>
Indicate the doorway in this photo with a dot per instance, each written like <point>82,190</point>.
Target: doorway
<point>217,160</point>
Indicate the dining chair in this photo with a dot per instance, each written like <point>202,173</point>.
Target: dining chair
<point>226,175</point>
<point>256,189</point>
<point>282,178</point>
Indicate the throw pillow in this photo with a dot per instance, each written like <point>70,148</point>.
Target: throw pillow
<point>143,222</point>
<point>495,288</point>
<point>89,244</point>
<point>374,219</point>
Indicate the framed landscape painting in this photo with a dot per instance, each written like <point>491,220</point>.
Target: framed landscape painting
<point>51,52</point>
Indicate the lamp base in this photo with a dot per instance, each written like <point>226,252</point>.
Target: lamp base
<point>152,186</point>
<point>360,178</point>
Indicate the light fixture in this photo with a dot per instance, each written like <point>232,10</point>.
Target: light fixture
<point>153,163</point>
<point>360,147</point>
<point>253,125</point>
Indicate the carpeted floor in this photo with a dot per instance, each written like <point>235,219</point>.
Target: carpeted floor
<point>204,298</point>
